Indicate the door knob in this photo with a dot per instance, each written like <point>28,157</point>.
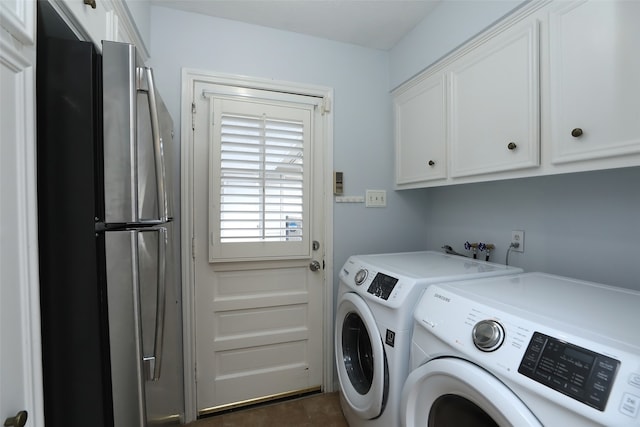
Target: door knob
<point>18,421</point>
<point>314,265</point>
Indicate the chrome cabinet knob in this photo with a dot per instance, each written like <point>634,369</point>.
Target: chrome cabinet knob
<point>512,146</point>
<point>18,421</point>
<point>431,163</point>
<point>91,3</point>
<point>577,132</point>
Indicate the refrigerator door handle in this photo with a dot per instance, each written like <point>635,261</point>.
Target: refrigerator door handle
<point>153,363</point>
<point>146,74</point>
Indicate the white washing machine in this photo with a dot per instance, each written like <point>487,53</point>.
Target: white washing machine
<point>374,319</point>
<point>526,350</point>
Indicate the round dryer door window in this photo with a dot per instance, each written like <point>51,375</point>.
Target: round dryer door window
<point>360,357</point>
<point>451,391</point>
<point>357,353</point>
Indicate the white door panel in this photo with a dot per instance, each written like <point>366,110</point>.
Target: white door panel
<point>258,324</point>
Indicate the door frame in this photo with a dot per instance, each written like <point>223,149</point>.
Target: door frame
<point>189,77</point>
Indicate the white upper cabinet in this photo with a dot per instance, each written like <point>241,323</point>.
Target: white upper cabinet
<point>494,104</point>
<point>88,20</point>
<point>97,20</point>
<point>553,88</point>
<point>18,19</point>
<point>595,79</point>
<point>420,129</point>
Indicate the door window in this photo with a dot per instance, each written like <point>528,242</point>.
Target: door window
<point>454,410</point>
<point>357,353</point>
<point>259,179</point>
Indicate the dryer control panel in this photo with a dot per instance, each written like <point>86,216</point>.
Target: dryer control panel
<point>575,371</point>
<point>382,285</point>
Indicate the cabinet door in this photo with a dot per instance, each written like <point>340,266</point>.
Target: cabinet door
<point>18,19</point>
<point>90,22</point>
<point>20,355</point>
<point>595,79</point>
<point>420,132</point>
<point>494,104</point>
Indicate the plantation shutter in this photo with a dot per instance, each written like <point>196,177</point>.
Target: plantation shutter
<point>259,180</point>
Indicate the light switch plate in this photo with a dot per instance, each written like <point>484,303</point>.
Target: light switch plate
<point>376,199</point>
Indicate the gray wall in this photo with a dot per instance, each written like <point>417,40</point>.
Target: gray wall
<point>583,225</point>
<point>450,24</point>
<point>363,147</point>
<point>141,15</point>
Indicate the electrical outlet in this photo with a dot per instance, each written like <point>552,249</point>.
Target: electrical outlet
<point>517,240</point>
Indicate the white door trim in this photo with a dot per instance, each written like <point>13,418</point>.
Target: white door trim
<point>189,76</point>
<point>19,184</point>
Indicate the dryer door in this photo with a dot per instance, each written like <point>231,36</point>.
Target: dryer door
<point>360,357</point>
<point>451,391</point>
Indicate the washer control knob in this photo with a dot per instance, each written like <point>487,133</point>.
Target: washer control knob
<point>488,335</point>
<point>361,276</point>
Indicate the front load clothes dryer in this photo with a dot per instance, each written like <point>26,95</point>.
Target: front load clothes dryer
<point>374,318</point>
<point>528,350</point>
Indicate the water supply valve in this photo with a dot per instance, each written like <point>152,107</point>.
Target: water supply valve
<point>473,247</point>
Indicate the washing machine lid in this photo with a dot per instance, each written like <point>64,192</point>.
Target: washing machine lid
<point>396,280</point>
<point>573,344</point>
<point>432,266</point>
<point>580,306</point>
<point>360,358</point>
<point>449,390</point>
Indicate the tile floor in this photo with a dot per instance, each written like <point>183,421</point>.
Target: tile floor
<point>316,410</point>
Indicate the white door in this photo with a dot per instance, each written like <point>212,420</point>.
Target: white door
<point>257,219</point>
<point>20,359</point>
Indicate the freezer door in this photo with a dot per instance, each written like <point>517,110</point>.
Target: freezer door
<point>135,150</point>
<point>125,338</point>
<point>144,323</point>
<point>162,348</point>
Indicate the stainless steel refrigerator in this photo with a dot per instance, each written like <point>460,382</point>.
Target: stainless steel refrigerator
<point>109,260</point>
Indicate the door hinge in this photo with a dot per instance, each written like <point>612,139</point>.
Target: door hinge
<point>193,116</point>
<point>193,247</point>
<point>326,105</point>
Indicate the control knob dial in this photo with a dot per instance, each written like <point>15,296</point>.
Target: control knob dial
<point>488,335</point>
<point>361,276</point>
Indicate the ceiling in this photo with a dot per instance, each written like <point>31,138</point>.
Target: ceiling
<point>377,24</point>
